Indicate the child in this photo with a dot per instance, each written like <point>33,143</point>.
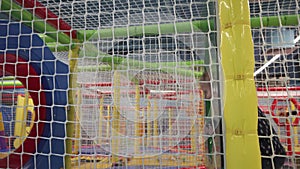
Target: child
<point>267,144</point>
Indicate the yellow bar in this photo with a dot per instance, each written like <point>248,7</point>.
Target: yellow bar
<point>164,160</point>
<point>201,128</point>
<point>240,100</point>
<point>25,113</point>
<point>155,124</point>
<point>168,160</point>
<point>148,121</point>
<point>295,132</point>
<point>107,121</point>
<point>137,127</point>
<point>1,122</point>
<point>3,144</point>
<point>116,117</point>
<point>142,128</point>
<point>73,55</point>
<point>32,112</point>
<point>194,127</point>
<point>170,126</point>
<point>295,128</point>
<point>77,124</point>
<point>115,135</point>
<point>21,118</point>
<point>100,119</point>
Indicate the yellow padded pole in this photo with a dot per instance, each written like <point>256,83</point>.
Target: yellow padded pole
<point>201,122</point>
<point>24,106</point>
<point>21,116</point>
<point>295,128</point>
<point>73,57</point>
<point>100,119</point>
<point>108,117</point>
<point>3,144</point>
<point>240,100</point>
<point>155,123</point>
<point>148,120</point>
<point>170,125</point>
<point>137,127</point>
<point>116,116</point>
<point>1,123</point>
<point>194,127</point>
<point>77,123</point>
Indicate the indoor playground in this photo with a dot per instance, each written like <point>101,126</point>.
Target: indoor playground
<point>172,84</point>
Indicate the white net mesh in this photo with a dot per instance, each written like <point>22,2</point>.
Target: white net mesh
<point>154,90</point>
<point>146,91</point>
<point>277,74</point>
<point>137,96</point>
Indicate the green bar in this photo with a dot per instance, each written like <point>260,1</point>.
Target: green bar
<point>47,39</point>
<point>182,27</point>
<point>168,28</point>
<point>57,47</point>
<point>286,20</point>
<point>93,68</point>
<point>8,78</point>
<point>182,68</point>
<point>205,25</point>
<point>201,25</point>
<point>37,24</point>
<point>10,83</point>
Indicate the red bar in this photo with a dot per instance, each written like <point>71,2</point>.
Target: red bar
<point>278,88</point>
<point>41,11</point>
<point>101,84</point>
<point>289,139</point>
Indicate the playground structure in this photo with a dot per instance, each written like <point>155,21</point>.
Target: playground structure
<point>153,134</point>
<point>282,106</point>
<point>164,145</point>
<point>148,131</point>
<point>17,114</point>
<point>35,77</point>
<point>96,105</point>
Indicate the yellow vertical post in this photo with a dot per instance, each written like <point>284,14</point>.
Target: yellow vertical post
<point>240,100</point>
<point>116,116</point>
<point>295,127</point>
<point>2,133</point>
<point>73,55</point>
<point>1,123</point>
<point>170,125</point>
<point>108,117</point>
<point>115,134</point>
<point>148,121</point>
<point>201,121</point>
<point>142,128</point>
<point>21,118</point>
<point>100,119</point>
<point>155,124</point>
<point>25,114</point>
<point>137,127</point>
<point>295,132</point>
<point>194,127</point>
<point>32,112</point>
<point>77,123</point>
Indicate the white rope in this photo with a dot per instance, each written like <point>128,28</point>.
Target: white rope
<point>273,59</point>
<point>266,64</point>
